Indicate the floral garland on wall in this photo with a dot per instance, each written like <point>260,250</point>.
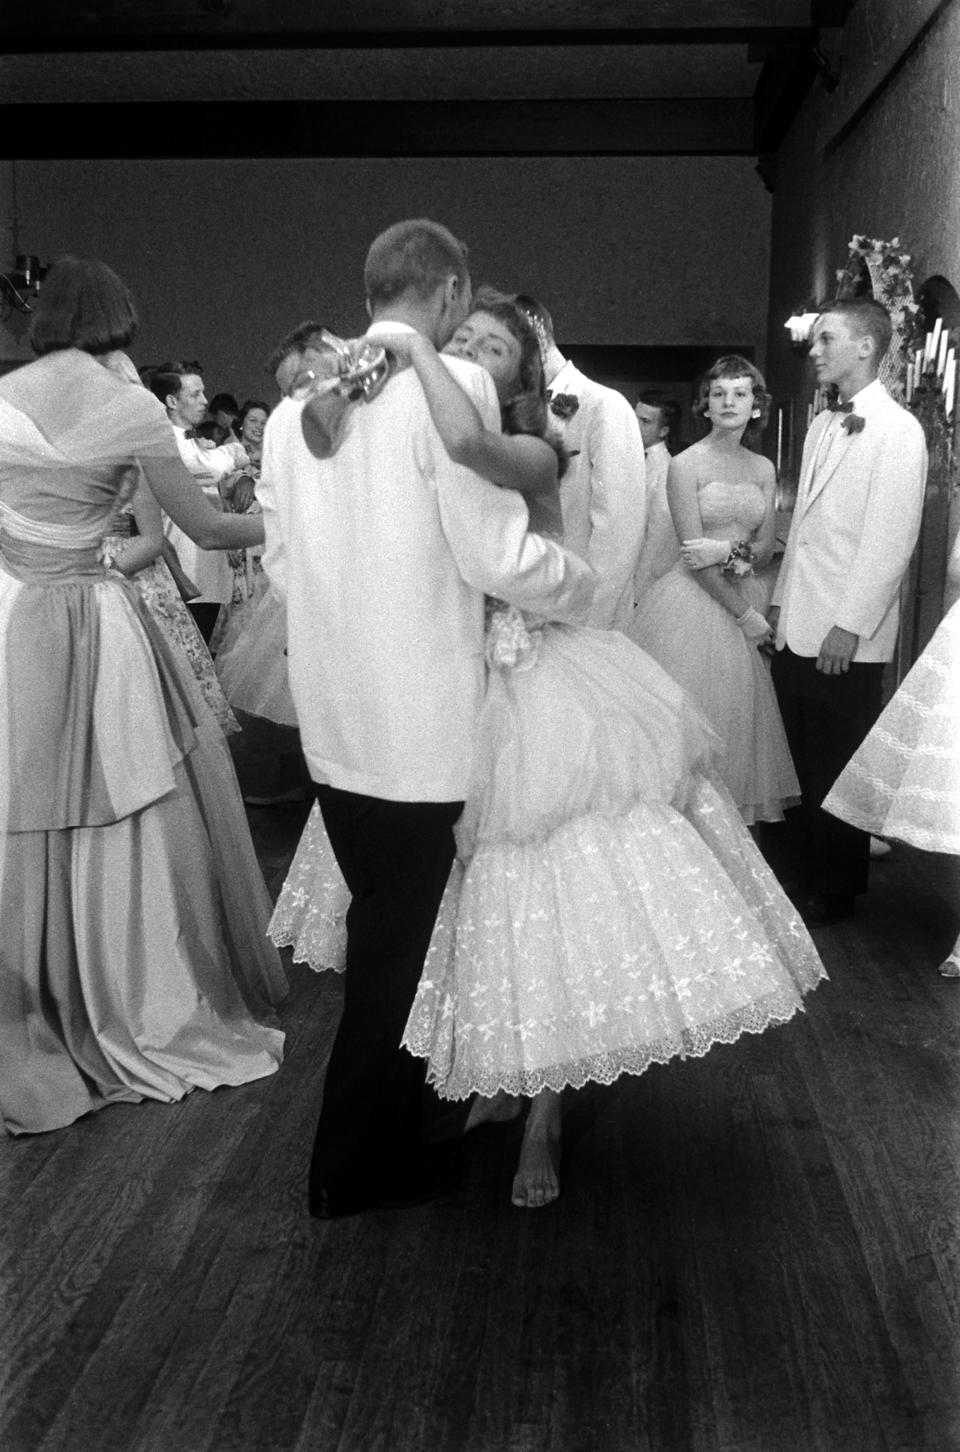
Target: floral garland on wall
<point>883,270</point>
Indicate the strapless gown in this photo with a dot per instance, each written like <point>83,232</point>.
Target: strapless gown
<point>904,780</point>
<point>607,909</point>
<point>700,645</point>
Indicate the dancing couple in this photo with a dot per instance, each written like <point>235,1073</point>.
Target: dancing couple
<point>522,854</point>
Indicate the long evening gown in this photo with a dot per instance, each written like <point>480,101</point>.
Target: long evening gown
<point>608,908</point>
<point>156,587</point>
<point>904,780</point>
<point>132,959</point>
<point>700,645</point>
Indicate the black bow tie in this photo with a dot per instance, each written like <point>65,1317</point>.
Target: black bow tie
<point>838,407</point>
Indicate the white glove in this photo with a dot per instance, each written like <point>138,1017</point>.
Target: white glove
<point>754,625</point>
<point>697,554</point>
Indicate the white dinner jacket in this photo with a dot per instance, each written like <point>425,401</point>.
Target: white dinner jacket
<point>208,569</point>
<point>854,527</point>
<point>384,553</point>
<point>603,493</point>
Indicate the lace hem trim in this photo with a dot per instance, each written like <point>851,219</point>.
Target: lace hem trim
<point>607,1067</point>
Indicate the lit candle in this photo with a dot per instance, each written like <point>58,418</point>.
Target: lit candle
<point>951,385</point>
<point>779,441</point>
<point>941,356</point>
<point>933,343</point>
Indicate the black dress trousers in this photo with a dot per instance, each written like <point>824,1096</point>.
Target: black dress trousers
<point>825,718</point>
<point>395,858</point>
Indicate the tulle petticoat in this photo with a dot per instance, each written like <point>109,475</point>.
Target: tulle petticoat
<point>904,781</point>
<point>609,909</point>
<point>252,659</point>
<point>701,646</point>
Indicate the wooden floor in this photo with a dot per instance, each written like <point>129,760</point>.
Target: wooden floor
<point>755,1252</point>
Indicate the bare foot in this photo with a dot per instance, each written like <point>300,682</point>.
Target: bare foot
<point>498,1110</point>
<point>537,1181</point>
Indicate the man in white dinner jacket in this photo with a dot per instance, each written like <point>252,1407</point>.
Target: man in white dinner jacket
<point>836,605</point>
<point>603,493</point>
<point>384,551</point>
<point>179,388</point>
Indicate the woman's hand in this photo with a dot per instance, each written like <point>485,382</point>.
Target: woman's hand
<point>698,554</point>
<point>754,626</point>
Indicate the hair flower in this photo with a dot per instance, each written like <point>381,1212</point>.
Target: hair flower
<point>563,405</point>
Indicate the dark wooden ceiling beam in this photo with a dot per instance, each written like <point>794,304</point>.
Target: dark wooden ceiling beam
<point>96,24</point>
<point>395,128</point>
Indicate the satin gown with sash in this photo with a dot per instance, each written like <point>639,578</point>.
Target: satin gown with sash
<point>132,958</point>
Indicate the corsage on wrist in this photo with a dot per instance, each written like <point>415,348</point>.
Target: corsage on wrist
<point>740,560</point>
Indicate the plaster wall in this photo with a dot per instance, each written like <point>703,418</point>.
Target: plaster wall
<point>225,256</point>
<point>894,172</point>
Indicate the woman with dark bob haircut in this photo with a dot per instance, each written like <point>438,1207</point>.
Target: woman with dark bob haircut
<point>83,305</point>
<point>133,961</point>
<point>703,620</point>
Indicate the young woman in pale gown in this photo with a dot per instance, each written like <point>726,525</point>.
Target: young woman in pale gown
<point>133,962</point>
<point>608,909</point>
<point>703,621</point>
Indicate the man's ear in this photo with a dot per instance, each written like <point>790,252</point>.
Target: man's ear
<point>866,346</point>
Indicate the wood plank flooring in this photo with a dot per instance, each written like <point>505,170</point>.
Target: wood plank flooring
<point>754,1252</point>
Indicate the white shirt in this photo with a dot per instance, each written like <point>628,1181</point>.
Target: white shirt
<point>209,569</point>
<point>384,553</point>
<point>603,493</point>
<point>661,548</point>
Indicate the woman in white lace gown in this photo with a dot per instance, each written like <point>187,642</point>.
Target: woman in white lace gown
<point>703,621</point>
<point>608,909</point>
<point>904,779</point>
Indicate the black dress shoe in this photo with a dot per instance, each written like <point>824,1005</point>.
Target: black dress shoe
<point>335,1205</point>
<point>823,908</point>
<point>439,1171</point>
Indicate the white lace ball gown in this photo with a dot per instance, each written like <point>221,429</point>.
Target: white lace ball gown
<point>608,908</point>
<point>904,780</point>
<point>701,646</point>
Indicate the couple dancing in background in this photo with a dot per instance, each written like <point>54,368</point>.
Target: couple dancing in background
<point>522,852</point>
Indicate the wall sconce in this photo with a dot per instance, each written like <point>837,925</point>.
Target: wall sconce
<point>22,283</point>
<point>800,326</point>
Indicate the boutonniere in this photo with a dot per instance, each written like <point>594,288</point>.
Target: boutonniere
<point>853,423</point>
<point>563,405</point>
